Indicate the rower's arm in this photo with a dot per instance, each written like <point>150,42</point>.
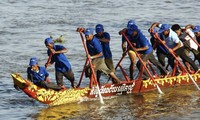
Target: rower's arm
<point>105,40</point>
<point>142,48</point>
<point>177,46</point>
<point>190,26</point>
<point>123,46</point>
<point>64,50</point>
<point>151,29</point>
<point>96,56</point>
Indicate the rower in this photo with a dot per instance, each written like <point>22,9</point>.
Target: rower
<point>186,36</point>
<point>96,54</point>
<point>141,45</point>
<point>175,45</point>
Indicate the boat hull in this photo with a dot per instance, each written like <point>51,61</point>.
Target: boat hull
<point>52,97</point>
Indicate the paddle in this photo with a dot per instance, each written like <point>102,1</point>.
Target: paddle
<point>90,62</point>
<point>158,38</point>
<point>151,77</point>
<point>57,40</point>
<point>118,64</point>
<point>48,60</point>
<point>193,39</point>
<point>84,68</point>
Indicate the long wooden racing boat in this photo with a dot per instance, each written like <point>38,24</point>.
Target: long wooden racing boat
<point>127,86</point>
<point>53,97</point>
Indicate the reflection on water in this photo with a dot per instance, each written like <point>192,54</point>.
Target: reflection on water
<point>62,111</point>
<point>175,103</point>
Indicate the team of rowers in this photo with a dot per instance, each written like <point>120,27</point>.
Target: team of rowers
<point>178,41</point>
<point>169,42</point>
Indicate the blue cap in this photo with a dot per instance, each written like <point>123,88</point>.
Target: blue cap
<point>48,41</point>
<point>196,29</point>
<point>33,61</point>
<point>163,28</point>
<point>130,22</point>
<point>89,31</point>
<point>99,28</point>
<point>132,29</point>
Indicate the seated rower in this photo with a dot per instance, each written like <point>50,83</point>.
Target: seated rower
<point>39,75</point>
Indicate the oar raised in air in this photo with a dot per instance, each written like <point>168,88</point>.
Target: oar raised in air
<point>158,38</point>
<point>90,62</point>
<point>151,77</point>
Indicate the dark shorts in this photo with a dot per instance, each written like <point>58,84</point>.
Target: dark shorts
<point>109,63</point>
<point>68,74</point>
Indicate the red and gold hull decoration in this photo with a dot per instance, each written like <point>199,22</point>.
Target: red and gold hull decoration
<point>49,96</point>
<point>171,80</point>
<point>52,97</point>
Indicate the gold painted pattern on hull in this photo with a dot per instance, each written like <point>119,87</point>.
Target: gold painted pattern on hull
<point>49,96</point>
<point>170,80</point>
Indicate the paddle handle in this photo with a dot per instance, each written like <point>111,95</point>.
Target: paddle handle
<point>158,38</point>
<point>90,62</point>
<point>48,60</point>
<point>172,53</point>
<point>84,68</point>
<point>151,77</point>
<point>193,39</point>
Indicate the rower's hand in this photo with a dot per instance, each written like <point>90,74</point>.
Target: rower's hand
<point>88,56</point>
<point>53,51</point>
<point>47,79</point>
<point>152,30</point>
<point>170,50</point>
<point>80,29</point>
<point>135,49</point>
<point>47,64</point>
<point>122,31</point>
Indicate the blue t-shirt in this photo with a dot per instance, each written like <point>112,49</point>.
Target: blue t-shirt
<point>94,46</point>
<point>61,62</point>
<point>105,45</point>
<point>141,41</point>
<point>36,77</point>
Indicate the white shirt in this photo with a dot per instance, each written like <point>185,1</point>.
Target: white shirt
<point>192,44</point>
<point>172,40</point>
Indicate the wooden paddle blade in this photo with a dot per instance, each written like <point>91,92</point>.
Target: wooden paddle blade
<point>193,81</point>
<point>159,90</point>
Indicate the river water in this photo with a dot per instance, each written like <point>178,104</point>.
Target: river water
<point>25,24</point>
